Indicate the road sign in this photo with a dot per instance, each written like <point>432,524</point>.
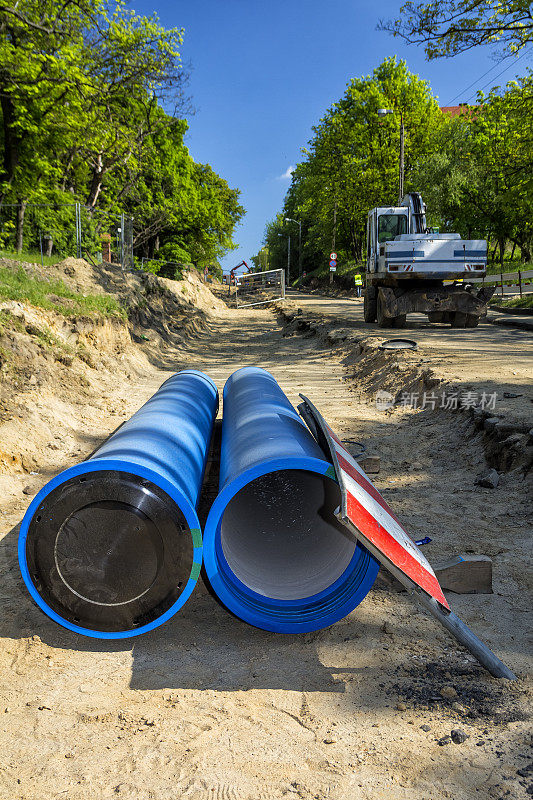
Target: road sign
<point>333,269</point>
<point>333,263</point>
<point>365,513</point>
<point>333,256</point>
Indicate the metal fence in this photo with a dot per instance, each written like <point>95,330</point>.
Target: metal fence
<point>256,288</point>
<point>519,278</point>
<point>68,229</point>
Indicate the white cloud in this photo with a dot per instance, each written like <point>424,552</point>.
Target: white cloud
<point>287,174</point>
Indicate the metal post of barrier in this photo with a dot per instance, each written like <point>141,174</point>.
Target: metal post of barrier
<point>520,282</point>
<point>501,280</point>
<point>78,230</point>
<point>122,241</point>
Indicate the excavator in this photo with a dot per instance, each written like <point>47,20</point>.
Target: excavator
<point>229,278</point>
<point>413,268</point>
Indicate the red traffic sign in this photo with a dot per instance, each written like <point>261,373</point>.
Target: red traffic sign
<point>333,263</point>
<point>333,256</point>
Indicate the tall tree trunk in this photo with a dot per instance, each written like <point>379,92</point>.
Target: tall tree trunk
<point>96,182</point>
<point>19,237</point>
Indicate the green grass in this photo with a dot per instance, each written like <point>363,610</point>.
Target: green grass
<point>18,285</point>
<point>514,302</point>
<point>493,267</point>
<point>31,258</point>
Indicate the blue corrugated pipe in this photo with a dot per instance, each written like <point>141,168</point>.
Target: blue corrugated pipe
<point>274,552</point>
<point>112,547</point>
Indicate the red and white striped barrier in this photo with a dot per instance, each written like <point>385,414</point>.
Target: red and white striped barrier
<point>366,514</point>
<point>375,521</point>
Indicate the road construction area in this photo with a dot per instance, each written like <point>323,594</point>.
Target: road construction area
<point>381,705</point>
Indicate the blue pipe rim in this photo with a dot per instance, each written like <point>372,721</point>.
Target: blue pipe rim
<point>214,559</point>
<point>98,465</point>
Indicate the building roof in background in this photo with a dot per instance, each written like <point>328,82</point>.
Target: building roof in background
<point>456,111</point>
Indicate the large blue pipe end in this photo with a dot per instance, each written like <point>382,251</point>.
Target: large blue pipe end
<point>112,547</point>
<point>274,552</point>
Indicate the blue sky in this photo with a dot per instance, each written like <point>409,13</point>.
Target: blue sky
<point>263,73</point>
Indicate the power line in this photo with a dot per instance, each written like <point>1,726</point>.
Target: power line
<point>462,92</point>
<point>527,52</point>
<point>484,74</point>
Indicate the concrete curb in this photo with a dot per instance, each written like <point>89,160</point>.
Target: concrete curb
<point>520,312</point>
<point>513,322</point>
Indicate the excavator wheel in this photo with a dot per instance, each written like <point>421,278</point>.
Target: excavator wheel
<point>383,321</point>
<point>400,322</point>
<point>459,320</point>
<point>370,300</point>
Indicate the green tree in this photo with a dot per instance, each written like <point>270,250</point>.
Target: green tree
<point>448,27</point>
<point>82,89</point>
<point>478,178</point>
<point>351,163</point>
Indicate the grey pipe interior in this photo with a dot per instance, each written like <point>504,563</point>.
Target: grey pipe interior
<point>280,537</point>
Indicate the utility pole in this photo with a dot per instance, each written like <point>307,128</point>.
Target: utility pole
<point>402,153</point>
<point>299,223</point>
<point>382,112</point>
<point>334,235</point>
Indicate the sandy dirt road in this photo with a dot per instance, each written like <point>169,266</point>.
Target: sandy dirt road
<point>208,708</point>
<point>489,358</point>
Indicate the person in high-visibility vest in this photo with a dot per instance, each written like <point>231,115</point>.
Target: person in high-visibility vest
<point>358,284</point>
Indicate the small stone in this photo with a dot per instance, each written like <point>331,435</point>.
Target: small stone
<point>459,708</point>
<point>401,707</point>
<point>370,464</point>
<point>329,740</point>
<point>28,490</point>
<point>448,692</point>
<point>387,628</point>
<point>459,736</point>
<point>425,728</point>
<point>445,740</point>
<point>36,638</point>
<point>490,480</point>
<point>490,423</point>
